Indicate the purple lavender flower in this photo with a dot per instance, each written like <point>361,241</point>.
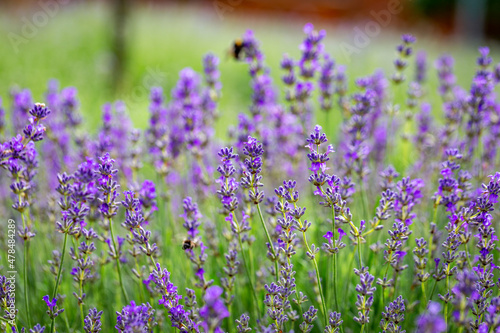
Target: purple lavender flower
<point>212,75</point>
<point>288,65</point>
<point>365,295</point>
<point>325,84</point>
<point>253,167</point>
<point>404,51</point>
<point>22,102</point>
<point>450,191</point>
<point>251,53</point>
<point>431,321</point>
<point>309,317</point>
<point>53,310</point>
<point>230,269</point>
<point>191,224</point>
<point>408,195</point>
<point>318,160</point>
<point>421,67</point>
<point>147,196</point>
<point>383,210</point>
<point>229,185</point>
<point>393,315</point>
<point>69,104</point>
<point>19,157</point>
<point>135,318</point>
<point>243,324</point>
<point>36,329</point>
<point>444,66</point>
<point>93,322</point>
<point>311,48</point>
<point>108,186</point>
<point>263,98</point>
<point>7,301</point>
<point>82,271</point>
<point>179,317</point>
<point>334,323</point>
<point>214,310</point>
<point>341,87</point>
<point>191,217</point>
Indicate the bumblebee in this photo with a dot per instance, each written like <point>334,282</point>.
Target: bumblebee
<point>237,48</point>
<point>189,244</point>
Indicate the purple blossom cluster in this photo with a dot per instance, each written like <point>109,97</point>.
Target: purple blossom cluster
<point>268,230</point>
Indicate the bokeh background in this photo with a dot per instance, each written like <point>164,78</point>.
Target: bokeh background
<point>119,49</point>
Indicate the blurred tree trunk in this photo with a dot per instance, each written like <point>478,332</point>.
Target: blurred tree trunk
<point>470,18</point>
<point>121,9</point>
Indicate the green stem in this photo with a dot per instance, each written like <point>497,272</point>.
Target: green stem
<point>446,305</point>
<point>270,242</point>
<point>429,256</point>
<point>82,315</point>
<point>58,280</point>
<point>118,267</point>
<point>25,272</point>
<point>359,253</point>
<point>318,278</point>
<point>248,276</point>
<point>139,282</point>
<point>423,290</point>
<point>383,289</point>
<point>467,255</point>
<point>432,291</point>
<point>325,313</point>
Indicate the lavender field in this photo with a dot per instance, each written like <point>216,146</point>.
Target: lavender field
<point>312,201</point>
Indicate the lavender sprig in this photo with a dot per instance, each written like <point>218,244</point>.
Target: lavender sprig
<point>227,194</point>
<point>109,189</point>
<point>93,322</point>
<point>365,296</point>
<point>392,316</point>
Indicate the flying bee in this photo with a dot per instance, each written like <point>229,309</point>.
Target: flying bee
<point>190,243</point>
<point>236,49</point>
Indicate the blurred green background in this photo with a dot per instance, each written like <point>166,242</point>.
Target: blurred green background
<point>75,44</point>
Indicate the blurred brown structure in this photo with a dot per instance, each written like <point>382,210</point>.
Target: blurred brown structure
<point>466,18</point>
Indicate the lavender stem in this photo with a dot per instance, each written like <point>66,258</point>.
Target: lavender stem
<point>58,280</point>
<point>248,276</point>
<point>270,242</point>
<point>118,267</point>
